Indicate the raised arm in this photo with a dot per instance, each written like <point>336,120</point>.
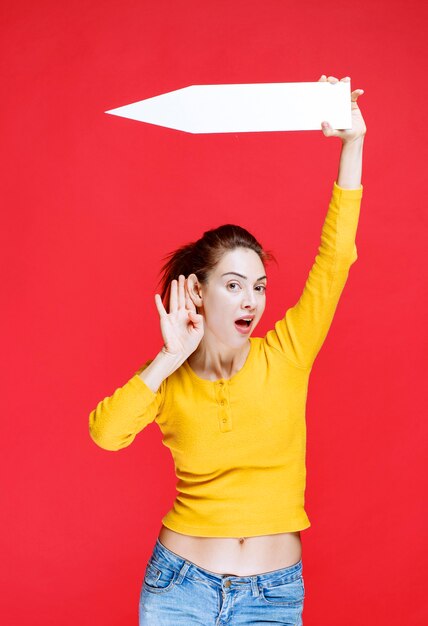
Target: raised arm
<point>351,157</point>
<point>302,331</point>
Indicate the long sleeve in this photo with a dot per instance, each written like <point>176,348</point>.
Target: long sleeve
<point>117,419</point>
<point>303,329</point>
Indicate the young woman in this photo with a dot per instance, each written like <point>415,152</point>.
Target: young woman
<point>231,409</point>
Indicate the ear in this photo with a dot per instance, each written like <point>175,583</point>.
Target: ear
<point>194,289</point>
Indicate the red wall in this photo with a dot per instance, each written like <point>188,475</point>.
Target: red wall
<point>91,204</point>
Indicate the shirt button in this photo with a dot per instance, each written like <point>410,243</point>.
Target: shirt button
<point>222,402</point>
<point>223,420</point>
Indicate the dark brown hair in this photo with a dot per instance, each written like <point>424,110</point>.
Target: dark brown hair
<point>200,257</point>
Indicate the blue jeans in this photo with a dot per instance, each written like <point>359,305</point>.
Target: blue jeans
<point>177,592</point>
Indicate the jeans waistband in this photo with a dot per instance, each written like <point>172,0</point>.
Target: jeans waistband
<point>162,554</point>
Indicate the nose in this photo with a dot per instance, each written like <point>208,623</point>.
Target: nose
<point>249,300</point>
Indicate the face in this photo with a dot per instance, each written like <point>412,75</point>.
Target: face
<point>236,288</point>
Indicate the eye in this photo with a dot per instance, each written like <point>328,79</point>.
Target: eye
<point>232,284</point>
<point>263,288</point>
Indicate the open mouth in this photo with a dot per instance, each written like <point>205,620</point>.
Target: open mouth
<point>243,325</point>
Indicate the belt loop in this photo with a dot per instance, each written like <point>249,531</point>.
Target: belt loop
<point>183,572</point>
<point>254,586</point>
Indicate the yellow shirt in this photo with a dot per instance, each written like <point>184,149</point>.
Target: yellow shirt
<point>239,444</point>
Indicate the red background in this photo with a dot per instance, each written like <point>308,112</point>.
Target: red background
<point>91,203</point>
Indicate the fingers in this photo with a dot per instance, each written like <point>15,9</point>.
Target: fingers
<point>173,296</point>
<point>346,79</point>
<point>197,320</point>
<point>159,305</point>
<point>333,79</point>
<point>328,130</point>
<point>181,299</point>
<point>355,94</point>
<point>187,300</point>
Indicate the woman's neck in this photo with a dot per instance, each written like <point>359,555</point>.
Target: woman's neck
<point>212,363</point>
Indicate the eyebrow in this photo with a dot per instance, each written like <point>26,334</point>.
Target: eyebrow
<point>242,276</point>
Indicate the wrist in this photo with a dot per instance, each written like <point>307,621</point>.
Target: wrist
<point>169,360</point>
<point>355,143</point>
<point>162,366</point>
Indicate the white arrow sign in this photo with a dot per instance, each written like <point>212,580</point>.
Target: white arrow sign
<point>253,107</point>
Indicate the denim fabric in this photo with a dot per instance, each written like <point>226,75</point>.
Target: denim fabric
<point>177,592</point>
